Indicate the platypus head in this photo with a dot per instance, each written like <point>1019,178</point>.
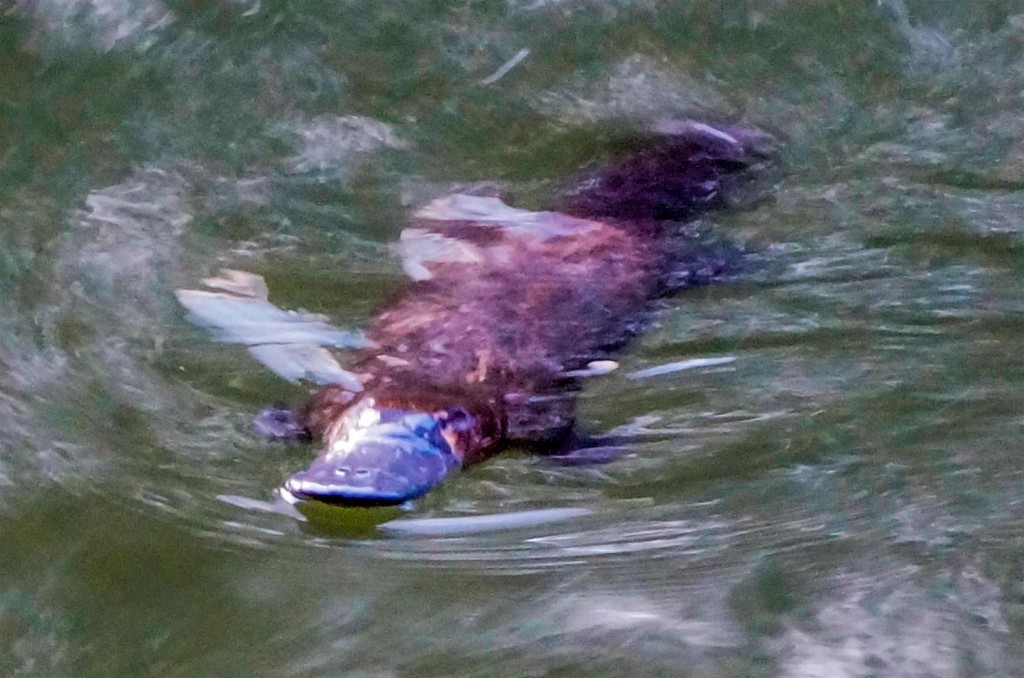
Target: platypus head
<point>378,455</point>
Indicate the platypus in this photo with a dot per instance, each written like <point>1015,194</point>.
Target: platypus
<point>508,310</point>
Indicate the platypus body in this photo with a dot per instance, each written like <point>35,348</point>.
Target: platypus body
<point>508,310</point>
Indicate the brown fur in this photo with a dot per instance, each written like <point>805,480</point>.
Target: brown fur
<point>496,336</point>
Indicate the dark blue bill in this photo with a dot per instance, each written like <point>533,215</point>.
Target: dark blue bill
<point>389,462</point>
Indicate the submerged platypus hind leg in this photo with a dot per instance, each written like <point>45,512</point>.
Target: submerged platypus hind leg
<point>683,170</point>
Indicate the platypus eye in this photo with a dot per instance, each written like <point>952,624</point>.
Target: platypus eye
<point>455,419</point>
<point>419,423</point>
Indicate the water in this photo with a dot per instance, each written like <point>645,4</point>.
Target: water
<point>841,498</point>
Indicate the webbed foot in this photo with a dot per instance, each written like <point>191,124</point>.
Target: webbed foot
<point>279,423</point>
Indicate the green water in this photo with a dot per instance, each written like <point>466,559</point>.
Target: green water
<point>844,498</point>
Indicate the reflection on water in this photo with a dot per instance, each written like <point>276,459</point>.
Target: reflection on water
<point>843,498</point>
<point>486,523</point>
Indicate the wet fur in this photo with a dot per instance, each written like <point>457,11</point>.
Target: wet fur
<point>497,338</point>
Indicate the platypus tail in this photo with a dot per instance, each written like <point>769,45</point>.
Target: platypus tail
<point>685,168</point>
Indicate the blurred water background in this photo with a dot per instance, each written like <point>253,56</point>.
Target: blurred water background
<point>842,498</point>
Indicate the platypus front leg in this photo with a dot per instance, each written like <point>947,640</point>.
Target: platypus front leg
<point>280,423</point>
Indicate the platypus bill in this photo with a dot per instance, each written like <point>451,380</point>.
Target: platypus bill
<point>508,310</point>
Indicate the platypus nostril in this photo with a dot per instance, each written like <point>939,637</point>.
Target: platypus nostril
<point>362,472</point>
<point>342,471</point>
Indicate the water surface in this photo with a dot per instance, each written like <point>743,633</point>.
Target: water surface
<point>833,488</point>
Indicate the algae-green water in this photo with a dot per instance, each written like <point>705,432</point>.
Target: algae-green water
<point>835,488</point>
